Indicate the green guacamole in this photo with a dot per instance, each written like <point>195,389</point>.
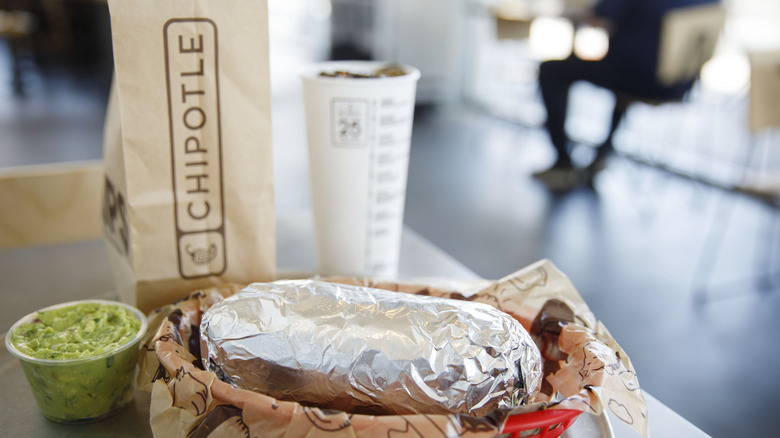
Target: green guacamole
<point>96,385</point>
<point>78,331</point>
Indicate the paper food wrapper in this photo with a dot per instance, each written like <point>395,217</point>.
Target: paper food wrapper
<point>585,370</point>
<point>188,198</point>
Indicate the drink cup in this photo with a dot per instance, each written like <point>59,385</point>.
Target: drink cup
<point>359,134</point>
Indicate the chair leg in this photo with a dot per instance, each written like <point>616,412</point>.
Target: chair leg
<point>768,276</point>
<point>17,81</point>
<point>713,243</point>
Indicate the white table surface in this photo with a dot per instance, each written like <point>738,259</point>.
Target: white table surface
<point>36,277</point>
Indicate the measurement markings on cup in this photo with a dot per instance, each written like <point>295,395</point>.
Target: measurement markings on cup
<point>388,156</point>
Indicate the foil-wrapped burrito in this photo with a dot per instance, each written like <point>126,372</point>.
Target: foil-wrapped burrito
<point>371,351</point>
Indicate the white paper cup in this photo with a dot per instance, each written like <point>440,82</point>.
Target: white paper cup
<point>359,133</point>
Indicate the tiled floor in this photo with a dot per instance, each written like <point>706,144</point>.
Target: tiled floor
<point>639,244</point>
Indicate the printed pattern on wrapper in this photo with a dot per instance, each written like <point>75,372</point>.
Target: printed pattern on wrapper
<point>593,374</point>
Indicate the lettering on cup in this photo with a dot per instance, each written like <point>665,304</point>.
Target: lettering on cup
<point>192,74</point>
<point>349,119</point>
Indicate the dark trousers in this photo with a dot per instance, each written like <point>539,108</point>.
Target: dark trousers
<point>556,78</point>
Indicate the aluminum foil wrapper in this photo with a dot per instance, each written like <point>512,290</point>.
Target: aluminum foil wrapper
<point>364,350</point>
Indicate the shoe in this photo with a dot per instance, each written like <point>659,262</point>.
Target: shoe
<point>560,178</point>
<point>599,164</point>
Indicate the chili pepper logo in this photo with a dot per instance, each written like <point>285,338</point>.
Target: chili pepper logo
<point>201,256</point>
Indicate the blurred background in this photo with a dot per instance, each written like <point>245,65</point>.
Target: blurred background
<point>675,245</point>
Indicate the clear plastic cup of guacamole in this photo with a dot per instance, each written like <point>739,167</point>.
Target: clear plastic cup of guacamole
<point>79,357</point>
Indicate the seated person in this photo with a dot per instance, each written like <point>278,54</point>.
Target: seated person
<point>629,67</point>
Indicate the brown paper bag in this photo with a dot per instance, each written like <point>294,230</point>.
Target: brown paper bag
<point>189,186</point>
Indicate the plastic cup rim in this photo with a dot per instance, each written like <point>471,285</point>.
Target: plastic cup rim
<point>77,360</point>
